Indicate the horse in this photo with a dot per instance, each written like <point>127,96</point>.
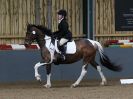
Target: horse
<point>85,49</point>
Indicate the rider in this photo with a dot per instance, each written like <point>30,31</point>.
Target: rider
<point>63,34</point>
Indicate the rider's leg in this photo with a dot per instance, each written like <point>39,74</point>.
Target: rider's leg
<point>62,48</point>
<point>63,41</point>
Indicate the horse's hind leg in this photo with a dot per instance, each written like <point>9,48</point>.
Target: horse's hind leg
<point>96,66</point>
<point>83,72</point>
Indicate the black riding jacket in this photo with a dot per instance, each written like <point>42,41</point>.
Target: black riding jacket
<point>63,31</point>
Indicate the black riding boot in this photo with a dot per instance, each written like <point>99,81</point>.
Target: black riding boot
<point>63,52</point>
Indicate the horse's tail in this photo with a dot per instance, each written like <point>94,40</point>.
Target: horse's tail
<point>105,61</point>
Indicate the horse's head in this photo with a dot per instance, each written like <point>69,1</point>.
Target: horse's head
<point>33,33</point>
<point>30,34</point>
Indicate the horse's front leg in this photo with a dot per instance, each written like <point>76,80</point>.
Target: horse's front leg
<point>37,75</point>
<point>48,70</point>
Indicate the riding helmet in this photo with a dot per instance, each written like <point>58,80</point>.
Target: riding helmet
<point>62,12</point>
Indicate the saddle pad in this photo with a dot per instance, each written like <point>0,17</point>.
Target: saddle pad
<point>71,47</point>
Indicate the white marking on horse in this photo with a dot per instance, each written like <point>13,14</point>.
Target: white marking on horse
<point>104,81</point>
<point>48,84</point>
<point>97,46</point>
<point>83,72</point>
<point>33,32</point>
<point>37,75</point>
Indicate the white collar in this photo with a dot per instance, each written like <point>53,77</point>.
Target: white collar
<point>60,20</point>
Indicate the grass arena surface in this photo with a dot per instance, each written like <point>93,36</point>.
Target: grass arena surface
<point>61,90</point>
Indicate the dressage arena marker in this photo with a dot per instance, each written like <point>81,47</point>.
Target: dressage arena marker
<point>126,81</point>
<point>18,47</point>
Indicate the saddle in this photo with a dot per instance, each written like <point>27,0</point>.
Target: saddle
<point>70,47</point>
<point>53,48</point>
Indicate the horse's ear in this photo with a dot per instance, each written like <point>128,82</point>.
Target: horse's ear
<point>27,25</point>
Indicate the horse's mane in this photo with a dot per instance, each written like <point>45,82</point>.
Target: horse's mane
<point>44,29</point>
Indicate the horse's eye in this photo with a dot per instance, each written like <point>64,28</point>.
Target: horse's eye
<point>33,32</point>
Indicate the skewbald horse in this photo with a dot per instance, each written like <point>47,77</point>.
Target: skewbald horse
<point>85,49</point>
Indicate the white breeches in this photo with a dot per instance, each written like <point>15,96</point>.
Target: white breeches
<point>63,41</point>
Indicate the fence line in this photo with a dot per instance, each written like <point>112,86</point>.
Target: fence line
<point>105,23</point>
<point>16,14</point>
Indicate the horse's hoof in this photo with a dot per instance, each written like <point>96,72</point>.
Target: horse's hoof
<point>38,78</point>
<point>73,86</point>
<point>103,83</point>
<point>47,86</point>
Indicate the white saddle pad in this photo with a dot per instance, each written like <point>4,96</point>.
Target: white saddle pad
<point>71,47</point>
